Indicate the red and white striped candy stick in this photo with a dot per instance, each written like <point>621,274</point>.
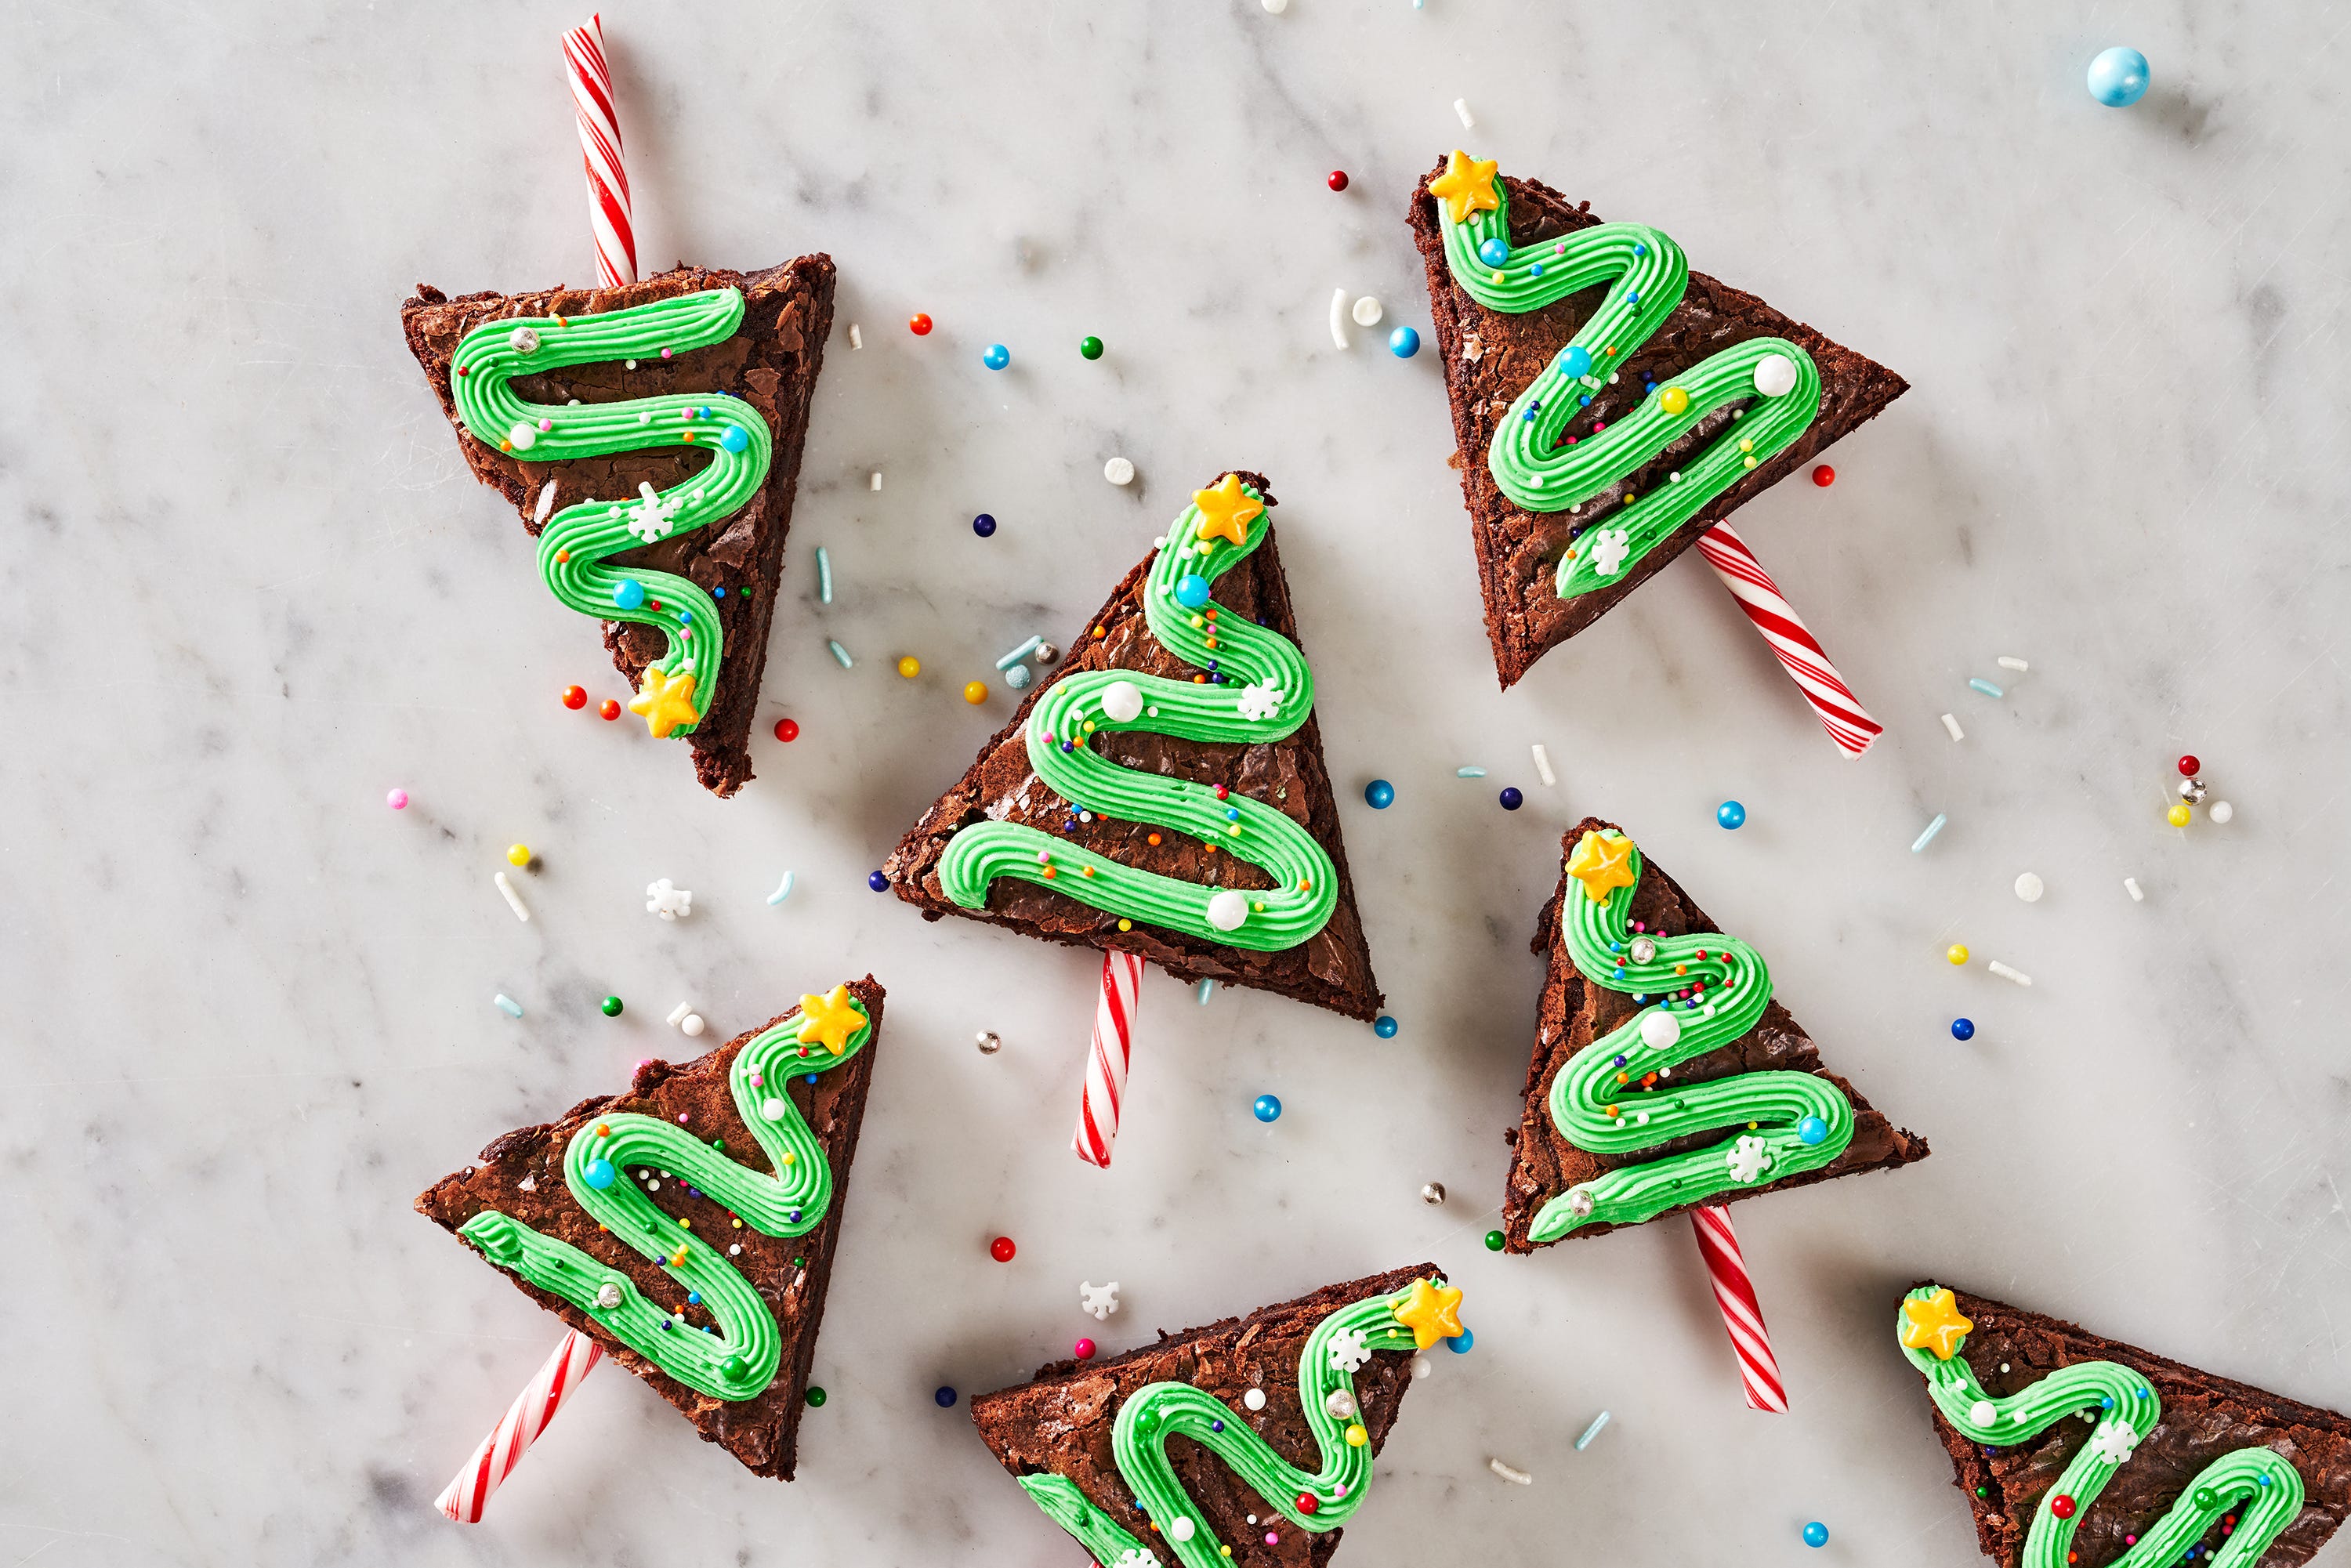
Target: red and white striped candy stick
<point>1734,1292</point>
<point>1842,715</point>
<point>533,1408</point>
<point>1122,983</point>
<point>599,146</point>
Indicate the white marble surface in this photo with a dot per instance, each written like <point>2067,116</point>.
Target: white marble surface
<point>246,1009</point>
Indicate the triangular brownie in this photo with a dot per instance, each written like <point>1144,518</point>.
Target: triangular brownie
<point>1153,1488</point>
<point>1494,356</point>
<point>1209,781</point>
<point>723,550</point>
<point>698,1185</point>
<point>1559,1188</point>
<point>2172,1464</point>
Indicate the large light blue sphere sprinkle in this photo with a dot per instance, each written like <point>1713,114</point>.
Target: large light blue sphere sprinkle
<point>1494,251</point>
<point>1575,360</point>
<point>996,356</point>
<point>735,439</point>
<point>1813,1130</point>
<point>1730,814</point>
<point>2118,77</point>
<point>1816,1534</point>
<point>1404,342</point>
<point>1192,590</point>
<point>629,594</point>
<point>1267,1108</point>
<point>1379,794</point>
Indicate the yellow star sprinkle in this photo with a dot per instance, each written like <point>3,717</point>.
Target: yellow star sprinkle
<point>1432,1313</point>
<point>829,1020</point>
<point>1467,185</point>
<point>1601,862</point>
<point>1935,1324</point>
<point>665,700</point>
<point>1225,511</point>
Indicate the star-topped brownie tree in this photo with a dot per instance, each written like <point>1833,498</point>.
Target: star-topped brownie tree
<point>1664,1074</point>
<point>688,1224</point>
<point>1163,793</point>
<point>2165,1464</point>
<point>1251,1440</point>
<point>650,435</point>
<point>1609,404</point>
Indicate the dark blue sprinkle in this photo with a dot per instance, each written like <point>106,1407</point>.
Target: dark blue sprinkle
<point>812,1078</point>
<point>795,1217</point>
<point>1215,1425</point>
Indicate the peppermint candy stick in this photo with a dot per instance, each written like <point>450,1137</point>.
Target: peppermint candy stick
<point>1841,712</point>
<point>1734,1292</point>
<point>599,147</point>
<point>533,1408</point>
<point>1122,981</point>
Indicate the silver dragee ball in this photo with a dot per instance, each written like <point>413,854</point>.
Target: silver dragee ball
<point>1046,653</point>
<point>1341,1405</point>
<point>988,1043</point>
<point>2191,790</point>
<point>1642,950</point>
<point>1433,1193</point>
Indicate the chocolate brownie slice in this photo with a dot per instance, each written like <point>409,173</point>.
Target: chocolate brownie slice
<point>770,363</point>
<point>1577,1012</point>
<point>1492,356</point>
<point>1331,969</point>
<point>521,1174</point>
<point>2204,1417</point>
<point>1061,1422</point>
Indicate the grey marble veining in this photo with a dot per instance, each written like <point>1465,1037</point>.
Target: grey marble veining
<point>246,1009</point>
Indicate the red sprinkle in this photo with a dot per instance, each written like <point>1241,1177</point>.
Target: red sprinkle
<point>2188,765</point>
<point>575,697</point>
<point>2062,1506</point>
<point>786,730</point>
<point>611,709</point>
<point>1306,1503</point>
<point>919,325</point>
<point>1338,179</point>
<point>1001,1249</point>
<point>1824,475</point>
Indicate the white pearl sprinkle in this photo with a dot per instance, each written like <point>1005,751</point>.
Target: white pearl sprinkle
<point>1254,1400</point>
<point>2029,887</point>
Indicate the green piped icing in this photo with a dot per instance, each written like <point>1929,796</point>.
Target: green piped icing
<point>1647,275</point>
<point>1708,1002</point>
<point>2257,1484</point>
<point>1158,1412</point>
<point>575,545</point>
<point>1264,673</point>
<point>741,1359</point>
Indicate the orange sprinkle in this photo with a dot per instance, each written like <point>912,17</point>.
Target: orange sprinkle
<point>1611,1110</point>
<point>1210,848</point>
<point>1212,642</point>
<point>1623,1078</point>
<point>603,1129</point>
<point>563,555</point>
<point>560,322</point>
<point>1049,873</point>
<point>1199,680</point>
<point>689,435</point>
<point>1607,351</point>
<point>1085,871</point>
<point>1151,839</point>
<point>1102,632</point>
<point>504,446</point>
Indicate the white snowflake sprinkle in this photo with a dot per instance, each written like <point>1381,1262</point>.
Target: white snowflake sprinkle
<point>2115,1441</point>
<point>1100,1300</point>
<point>667,900</point>
<point>1609,548</point>
<point>650,519</point>
<point>1259,700</point>
<point>1750,1158</point>
<point>1348,1350</point>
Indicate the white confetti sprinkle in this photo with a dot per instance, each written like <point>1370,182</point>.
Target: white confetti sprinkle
<point>677,1014</point>
<point>2018,666</point>
<point>2130,886</point>
<point>2029,887</point>
<point>1953,726</point>
<point>546,503</point>
<point>877,479</point>
<point>1118,471</point>
<point>854,341</point>
<point>1367,312</point>
<point>1516,1477</point>
<point>1461,107</point>
<point>1339,316</point>
<point>513,899</point>
<point>1543,766</point>
<point>2005,973</point>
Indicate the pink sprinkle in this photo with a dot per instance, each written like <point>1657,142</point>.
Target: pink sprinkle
<point>1272,1539</point>
<point>1638,927</point>
<point>1084,1349</point>
<point>758,1080</point>
<point>664,353</point>
<point>1339,1490</point>
<point>397,799</point>
<point>680,1116</point>
<point>547,424</point>
<point>1597,427</point>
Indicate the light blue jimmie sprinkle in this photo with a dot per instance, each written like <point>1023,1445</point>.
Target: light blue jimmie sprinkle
<point>783,890</point>
<point>1468,773</point>
<point>1021,652</point>
<point>1986,687</point>
<point>841,654</point>
<point>1922,840</point>
<point>507,1005</point>
<point>1207,988</point>
<point>1591,1431</point>
<point>824,576</point>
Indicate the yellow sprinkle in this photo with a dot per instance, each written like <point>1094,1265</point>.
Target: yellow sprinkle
<point>1748,462</point>
<point>789,1158</point>
<point>1126,925</point>
<point>1745,445</point>
<point>518,854</point>
<point>682,1220</point>
<point>974,691</point>
<point>1357,1436</point>
<point>1956,952</point>
<point>2178,814</point>
<point>910,666</point>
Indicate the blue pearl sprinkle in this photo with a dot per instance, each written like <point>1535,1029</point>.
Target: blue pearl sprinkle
<point>2118,77</point>
<point>1494,251</point>
<point>1384,1027</point>
<point>983,525</point>
<point>629,593</point>
<point>945,1397</point>
<point>1813,1130</point>
<point>1267,1108</point>
<point>1816,1534</point>
<point>1404,342</point>
<point>1379,794</point>
<point>1730,814</point>
<point>1964,1028</point>
<point>1213,1427</point>
<point>1459,1344</point>
<point>1512,799</point>
<point>1232,814</point>
<point>996,356</point>
<point>1575,361</point>
<point>1192,590</point>
<point>735,439</point>
<point>877,882</point>
<point>600,1173</point>
<point>693,1298</point>
<point>1536,269</point>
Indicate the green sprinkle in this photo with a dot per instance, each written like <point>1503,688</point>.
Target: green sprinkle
<point>1090,347</point>
<point>612,1006</point>
<point>1494,1239</point>
<point>815,1395</point>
